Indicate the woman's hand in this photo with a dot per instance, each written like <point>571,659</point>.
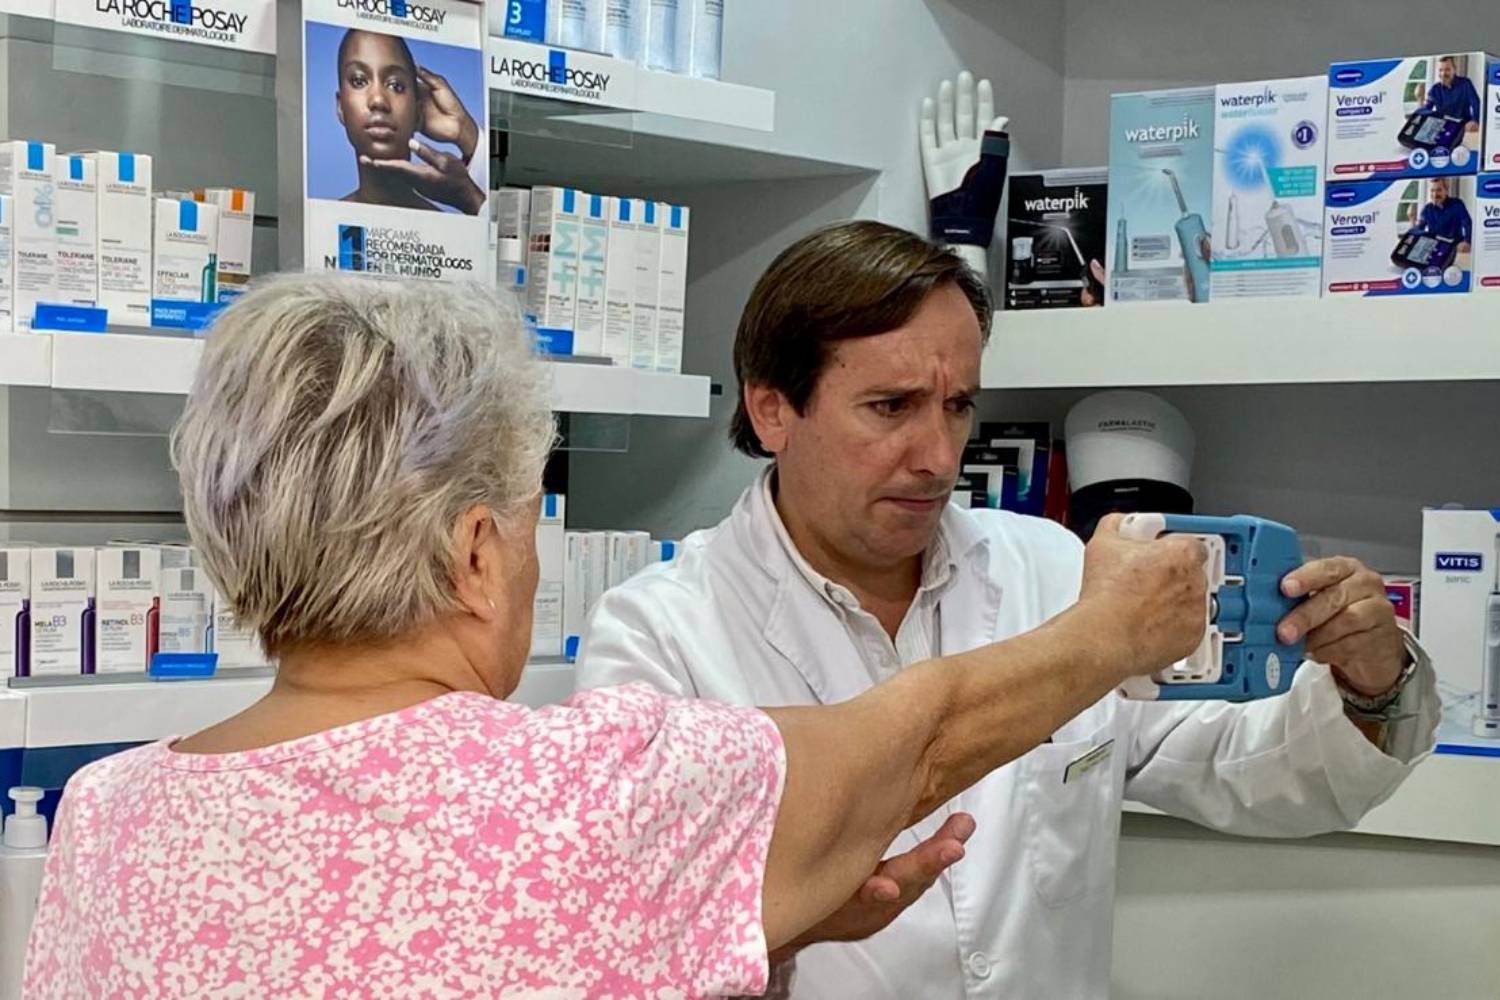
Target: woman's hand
<point>444,117</point>
<point>439,176</point>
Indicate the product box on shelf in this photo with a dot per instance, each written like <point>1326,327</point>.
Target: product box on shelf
<point>1492,117</point>
<point>593,244</point>
<point>1161,167</point>
<point>236,645</point>
<point>547,605</point>
<point>1055,236</point>
<point>7,289</point>
<point>1404,593</point>
<point>62,611</point>
<point>1460,623</point>
<point>662,551</point>
<point>1412,236</point>
<point>619,282</point>
<point>15,610</point>
<point>647,283</point>
<point>77,210</point>
<point>1028,447</point>
<point>184,263</point>
<point>129,608</point>
<point>671,301</point>
<point>585,572</point>
<point>187,602</point>
<point>629,552</point>
<point>700,38</point>
<point>512,207</point>
<point>26,175</point>
<point>1416,116</point>
<point>1268,188</point>
<point>123,183</point>
<point>1487,233</point>
<point>552,266</point>
<point>993,474</point>
<point>236,238</point>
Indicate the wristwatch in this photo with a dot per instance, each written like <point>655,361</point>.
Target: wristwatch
<point>1380,704</point>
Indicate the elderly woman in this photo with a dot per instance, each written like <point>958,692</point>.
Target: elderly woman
<point>360,465</point>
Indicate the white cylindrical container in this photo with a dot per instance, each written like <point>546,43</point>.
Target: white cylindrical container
<point>705,38</point>
<point>23,858</point>
<point>661,35</point>
<point>622,24</point>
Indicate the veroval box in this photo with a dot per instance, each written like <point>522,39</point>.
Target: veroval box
<point>1492,118</point>
<point>1487,233</point>
<point>1417,116</point>
<point>1412,236</point>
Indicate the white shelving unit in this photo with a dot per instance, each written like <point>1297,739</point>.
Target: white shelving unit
<point>130,363</point>
<point>1241,343</point>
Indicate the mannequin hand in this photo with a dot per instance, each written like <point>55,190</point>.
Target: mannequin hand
<point>895,884</point>
<point>440,177</point>
<point>964,156</point>
<point>444,116</point>
<point>1348,622</point>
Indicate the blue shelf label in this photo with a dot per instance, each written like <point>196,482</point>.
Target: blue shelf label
<point>554,341</point>
<point>526,20</point>
<point>177,315</point>
<point>170,666</point>
<point>72,319</point>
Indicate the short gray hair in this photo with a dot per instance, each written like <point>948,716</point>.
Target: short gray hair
<point>337,428</point>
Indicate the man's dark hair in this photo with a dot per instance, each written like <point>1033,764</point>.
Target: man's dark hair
<point>349,37</point>
<point>853,279</point>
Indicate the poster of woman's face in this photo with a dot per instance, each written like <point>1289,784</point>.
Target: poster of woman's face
<point>389,121</point>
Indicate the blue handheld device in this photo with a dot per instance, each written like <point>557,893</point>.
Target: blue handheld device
<point>1191,235</point>
<point>1240,658</point>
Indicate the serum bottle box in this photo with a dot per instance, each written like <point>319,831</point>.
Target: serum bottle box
<point>1417,116</point>
<point>547,604</point>
<point>1161,166</point>
<point>672,291</point>
<point>1398,237</point>
<point>1267,218</point>
<point>185,261</point>
<point>236,645</point>
<point>62,611</point>
<point>123,182</point>
<point>647,284</point>
<point>15,611</point>
<point>593,244</point>
<point>77,230</point>
<point>236,238</point>
<point>129,608</point>
<point>552,266</point>
<point>187,602</point>
<point>26,175</point>
<point>619,282</point>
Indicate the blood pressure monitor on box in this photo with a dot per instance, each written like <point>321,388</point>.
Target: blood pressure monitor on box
<point>1429,130</point>
<point>1424,251</point>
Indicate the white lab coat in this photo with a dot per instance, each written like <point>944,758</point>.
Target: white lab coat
<point>1029,911</point>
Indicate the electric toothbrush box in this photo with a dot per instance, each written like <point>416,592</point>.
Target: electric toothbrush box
<point>129,608</point>
<point>184,263</point>
<point>62,611</point>
<point>1487,233</point>
<point>1056,230</point>
<point>1417,116</point>
<point>15,610</point>
<point>1267,217</point>
<point>1161,166</point>
<point>1459,599</point>
<point>1412,236</point>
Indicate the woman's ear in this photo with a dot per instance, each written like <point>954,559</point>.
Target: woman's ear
<point>476,572</point>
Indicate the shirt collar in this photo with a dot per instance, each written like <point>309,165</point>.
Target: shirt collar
<point>938,563</point>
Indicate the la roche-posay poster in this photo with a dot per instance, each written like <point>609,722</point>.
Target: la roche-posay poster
<point>396,156</point>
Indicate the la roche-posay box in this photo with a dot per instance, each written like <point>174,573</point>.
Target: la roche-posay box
<point>77,230</point>
<point>585,570</point>
<point>1417,116</point>
<point>62,611</point>
<point>552,266</point>
<point>647,284</point>
<point>7,291</point>
<point>619,282</point>
<point>552,552</point>
<point>26,175</point>
<point>663,551</point>
<point>628,553</point>
<point>1487,233</point>
<point>513,223</point>
<point>186,608</point>
<point>672,294</point>
<point>593,246</point>
<point>1411,236</point>
<point>129,608</point>
<point>236,238</point>
<point>123,183</point>
<point>184,269</point>
<point>1267,219</point>
<point>236,645</point>
<point>15,610</point>
<point>1161,171</point>
<point>1460,621</point>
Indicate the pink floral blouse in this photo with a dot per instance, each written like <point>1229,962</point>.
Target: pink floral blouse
<point>613,846</point>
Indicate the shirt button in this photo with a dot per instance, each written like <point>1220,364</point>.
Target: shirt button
<point>979,965</point>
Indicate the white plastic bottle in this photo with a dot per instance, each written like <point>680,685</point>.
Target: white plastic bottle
<point>23,857</point>
<point>661,35</point>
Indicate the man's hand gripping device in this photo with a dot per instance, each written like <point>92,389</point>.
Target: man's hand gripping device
<point>1240,658</point>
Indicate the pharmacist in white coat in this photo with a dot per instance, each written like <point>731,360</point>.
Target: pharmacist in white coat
<point>858,356</point>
